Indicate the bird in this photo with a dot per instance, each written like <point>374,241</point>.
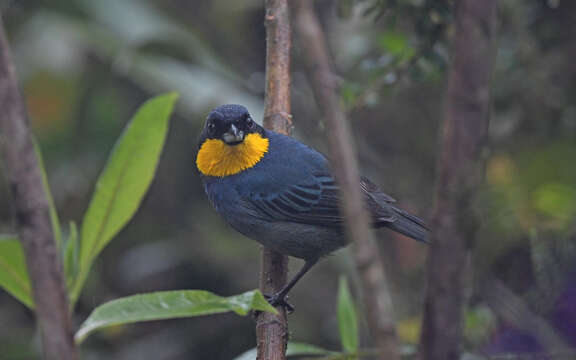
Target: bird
<point>280,192</point>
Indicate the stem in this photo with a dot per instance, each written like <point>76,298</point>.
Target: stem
<point>376,293</point>
<point>272,330</point>
<point>33,216</point>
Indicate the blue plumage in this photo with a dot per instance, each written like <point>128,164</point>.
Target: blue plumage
<point>289,201</point>
<point>274,201</point>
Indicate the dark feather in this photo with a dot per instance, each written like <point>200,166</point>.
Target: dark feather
<point>316,202</point>
<point>409,225</point>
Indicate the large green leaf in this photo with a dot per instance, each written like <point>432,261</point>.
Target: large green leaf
<point>169,305</point>
<point>347,319</point>
<point>124,181</point>
<point>13,272</point>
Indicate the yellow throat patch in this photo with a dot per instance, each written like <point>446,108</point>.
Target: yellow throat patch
<point>216,158</point>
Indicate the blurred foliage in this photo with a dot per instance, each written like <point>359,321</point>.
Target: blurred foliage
<point>347,318</point>
<point>86,65</point>
<point>479,322</point>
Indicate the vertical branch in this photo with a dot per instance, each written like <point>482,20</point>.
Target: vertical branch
<point>32,216</point>
<point>376,292</point>
<point>460,172</point>
<point>278,44</point>
<point>272,330</point>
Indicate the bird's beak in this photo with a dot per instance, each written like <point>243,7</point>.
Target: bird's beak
<point>233,136</point>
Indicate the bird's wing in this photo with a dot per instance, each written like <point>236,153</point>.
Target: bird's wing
<point>311,202</point>
<point>316,202</point>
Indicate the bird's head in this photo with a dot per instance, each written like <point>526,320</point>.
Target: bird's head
<point>231,141</point>
<point>230,124</point>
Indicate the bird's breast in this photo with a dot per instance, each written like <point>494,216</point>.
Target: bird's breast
<point>216,158</point>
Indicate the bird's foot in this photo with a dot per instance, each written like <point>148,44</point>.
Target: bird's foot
<point>280,300</point>
<point>275,300</point>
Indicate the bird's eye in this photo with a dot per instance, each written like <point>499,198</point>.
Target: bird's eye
<point>249,122</point>
<point>211,127</point>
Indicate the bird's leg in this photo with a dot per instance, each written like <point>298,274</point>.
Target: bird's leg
<point>279,297</point>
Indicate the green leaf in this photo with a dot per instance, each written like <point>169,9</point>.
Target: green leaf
<point>71,254</point>
<point>124,181</point>
<point>169,305</point>
<point>396,44</point>
<point>479,323</point>
<point>303,349</point>
<point>55,221</point>
<point>556,200</point>
<point>347,319</point>
<point>13,272</point>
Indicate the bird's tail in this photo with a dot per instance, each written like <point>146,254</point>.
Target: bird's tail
<point>409,225</point>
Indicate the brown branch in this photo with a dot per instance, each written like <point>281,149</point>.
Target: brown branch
<point>376,293</point>
<point>272,330</point>
<point>460,171</point>
<point>32,216</point>
<point>278,44</point>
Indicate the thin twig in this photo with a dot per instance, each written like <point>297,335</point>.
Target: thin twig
<point>32,216</point>
<point>272,330</point>
<point>460,170</point>
<point>376,292</point>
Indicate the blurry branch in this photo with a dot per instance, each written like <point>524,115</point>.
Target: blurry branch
<point>32,216</point>
<point>271,329</point>
<point>513,310</point>
<point>375,286</point>
<point>460,171</point>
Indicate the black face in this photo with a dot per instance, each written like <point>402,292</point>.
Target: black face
<point>229,123</point>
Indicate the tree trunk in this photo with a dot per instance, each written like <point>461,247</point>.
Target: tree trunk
<point>460,171</point>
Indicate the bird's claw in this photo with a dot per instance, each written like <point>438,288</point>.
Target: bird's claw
<point>277,300</point>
